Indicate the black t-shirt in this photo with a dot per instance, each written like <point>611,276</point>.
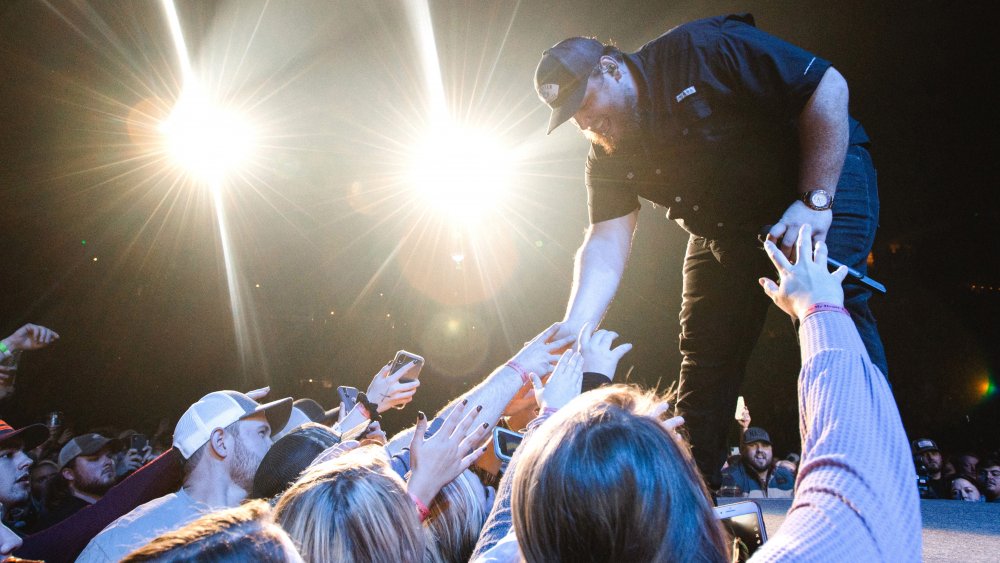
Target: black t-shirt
<point>719,146</point>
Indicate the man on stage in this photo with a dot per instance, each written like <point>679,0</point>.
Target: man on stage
<point>738,134</point>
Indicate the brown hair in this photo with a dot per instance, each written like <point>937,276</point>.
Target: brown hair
<point>245,533</point>
<point>603,481</point>
<point>352,508</point>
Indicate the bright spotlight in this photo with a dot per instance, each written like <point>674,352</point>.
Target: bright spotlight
<point>208,140</point>
<point>462,173</point>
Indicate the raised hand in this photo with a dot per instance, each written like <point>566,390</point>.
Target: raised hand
<point>598,355</point>
<point>540,354</point>
<point>388,392</point>
<point>807,282</point>
<point>438,460</point>
<point>31,337</point>
<point>563,385</point>
<point>786,231</point>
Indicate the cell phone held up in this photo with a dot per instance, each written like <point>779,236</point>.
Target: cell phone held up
<point>348,398</point>
<point>402,359</point>
<point>505,442</point>
<point>744,524</point>
<point>137,442</point>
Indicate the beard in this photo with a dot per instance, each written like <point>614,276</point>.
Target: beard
<point>95,486</point>
<point>630,123</point>
<point>759,463</point>
<point>245,464</point>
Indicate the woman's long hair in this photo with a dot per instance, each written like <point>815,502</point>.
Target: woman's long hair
<point>457,516</point>
<point>603,481</point>
<point>352,508</point>
<point>245,533</point>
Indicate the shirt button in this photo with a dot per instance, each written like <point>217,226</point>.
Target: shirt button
<point>720,225</point>
<point>677,199</point>
<point>658,171</point>
<point>695,207</point>
<point>630,175</point>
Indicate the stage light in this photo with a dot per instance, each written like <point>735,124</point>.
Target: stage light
<point>207,139</point>
<point>461,173</point>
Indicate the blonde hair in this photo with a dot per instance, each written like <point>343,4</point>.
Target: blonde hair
<point>244,533</point>
<point>603,481</point>
<point>352,508</point>
<point>456,519</point>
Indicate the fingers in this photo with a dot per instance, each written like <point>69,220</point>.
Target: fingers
<point>453,418</point>
<point>418,432</point>
<point>770,288</point>
<point>462,429</point>
<point>660,410</point>
<point>820,253</point>
<point>672,424</point>
<point>258,394</point>
<point>621,350</point>
<point>840,273</point>
<point>546,334</point>
<point>777,230</point>
<point>777,258</point>
<point>789,241</point>
<point>803,246</point>
<point>468,460</point>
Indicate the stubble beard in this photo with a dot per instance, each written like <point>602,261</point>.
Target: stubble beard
<point>245,466</point>
<point>631,122</point>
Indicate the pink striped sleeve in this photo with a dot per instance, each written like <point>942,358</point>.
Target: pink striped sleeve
<point>856,496</point>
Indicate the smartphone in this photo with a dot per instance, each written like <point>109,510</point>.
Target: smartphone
<point>137,442</point>
<point>740,405</point>
<point>744,525</point>
<point>402,358</point>
<point>505,442</point>
<point>348,397</point>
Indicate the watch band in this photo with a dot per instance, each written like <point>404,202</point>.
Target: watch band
<point>809,196</point>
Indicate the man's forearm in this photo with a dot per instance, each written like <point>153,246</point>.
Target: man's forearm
<point>823,134</point>
<point>598,269</point>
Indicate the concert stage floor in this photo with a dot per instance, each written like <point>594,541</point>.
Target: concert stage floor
<point>953,531</point>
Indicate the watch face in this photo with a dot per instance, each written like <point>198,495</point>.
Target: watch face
<point>820,199</point>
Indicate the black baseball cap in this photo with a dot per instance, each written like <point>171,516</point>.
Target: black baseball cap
<point>756,434</point>
<point>31,436</point>
<point>562,74</point>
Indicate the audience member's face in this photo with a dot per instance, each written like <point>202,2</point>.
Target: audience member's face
<point>758,455</point>
<point>93,474</point>
<point>962,489</point>
<point>932,460</point>
<point>252,442</point>
<point>990,477</point>
<point>15,479</point>
<point>40,477</point>
<point>966,464</point>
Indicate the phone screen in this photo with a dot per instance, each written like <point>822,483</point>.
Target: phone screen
<point>744,533</point>
<point>506,442</point>
<point>402,358</point>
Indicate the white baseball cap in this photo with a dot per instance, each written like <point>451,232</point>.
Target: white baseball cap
<point>220,409</point>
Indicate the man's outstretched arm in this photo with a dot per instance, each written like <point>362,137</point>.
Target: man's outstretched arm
<point>599,265</point>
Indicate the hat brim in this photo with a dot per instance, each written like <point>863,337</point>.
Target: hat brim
<point>277,413</point>
<point>31,436</point>
<point>566,110</point>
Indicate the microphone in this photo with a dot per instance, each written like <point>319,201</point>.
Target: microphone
<point>832,263</point>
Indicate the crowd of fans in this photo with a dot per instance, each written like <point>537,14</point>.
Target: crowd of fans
<point>603,473</point>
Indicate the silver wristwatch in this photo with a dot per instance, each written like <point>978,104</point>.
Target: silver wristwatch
<point>818,200</point>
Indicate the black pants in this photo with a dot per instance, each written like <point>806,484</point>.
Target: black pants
<point>723,310</point>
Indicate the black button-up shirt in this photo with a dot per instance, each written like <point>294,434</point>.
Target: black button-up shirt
<point>719,146</point>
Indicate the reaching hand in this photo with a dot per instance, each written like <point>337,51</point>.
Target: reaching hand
<point>805,283</point>
<point>438,460</point>
<point>564,384</point>
<point>259,394</point>
<point>787,229</point>
<point>598,356</point>
<point>31,337</point>
<point>387,391</point>
<point>671,424</point>
<point>540,354</point>
<point>744,417</point>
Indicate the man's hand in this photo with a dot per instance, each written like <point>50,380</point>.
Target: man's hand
<point>805,283</point>
<point>598,355</point>
<point>31,337</point>
<point>388,392</point>
<point>132,460</point>
<point>785,232</point>
<point>541,352</point>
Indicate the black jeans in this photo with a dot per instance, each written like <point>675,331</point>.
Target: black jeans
<point>724,308</point>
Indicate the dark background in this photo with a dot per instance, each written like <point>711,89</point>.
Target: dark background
<point>340,267</point>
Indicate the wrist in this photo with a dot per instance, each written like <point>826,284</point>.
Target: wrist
<point>823,307</point>
<point>6,350</point>
<point>519,370</point>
